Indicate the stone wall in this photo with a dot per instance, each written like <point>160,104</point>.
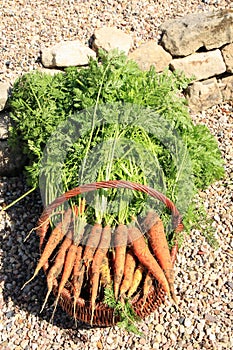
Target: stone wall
<point>200,45</point>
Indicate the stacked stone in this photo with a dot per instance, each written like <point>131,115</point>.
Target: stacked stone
<point>201,46</point>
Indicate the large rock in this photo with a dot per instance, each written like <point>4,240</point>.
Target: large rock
<point>226,88</point>
<point>109,38</point>
<point>203,95</point>
<point>201,65</point>
<point>227,53</point>
<point>184,36</point>
<point>67,53</point>
<point>151,54</point>
<point>4,92</point>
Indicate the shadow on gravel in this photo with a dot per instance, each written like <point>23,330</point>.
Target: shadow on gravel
<point>20,257</point>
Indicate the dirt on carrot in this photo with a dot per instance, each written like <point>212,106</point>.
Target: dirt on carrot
<point>105,273</point>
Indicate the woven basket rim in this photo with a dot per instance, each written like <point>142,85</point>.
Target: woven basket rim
<point>177,218</point>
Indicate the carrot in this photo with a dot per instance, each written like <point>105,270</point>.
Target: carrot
<point>146,287</point>
<point>56,236</point>
<point>78,281</point>
<point>158,242</point>
<point>56,269</point>
<point>68,267</point>
<point>137,278</point>
<point>77,290</point>
<point>43,226</point>
<point>72,253</point>
<point>97,262</point>
<point>92,243</point>
<point>129,268</point>
<point>80,209</point>
<point>145,257</point>
<point>105,277</point>
<point>174,251</point>
<point>120,243</point>
<point>78,274</point>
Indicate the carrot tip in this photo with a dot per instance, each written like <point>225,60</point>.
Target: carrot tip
<point>74,310</point>
<point>92,313</point>
<point>175,303</point>
<point>24,285</point>
<point>55,307</point>
<point>46,299</point>
<point>173,298</point>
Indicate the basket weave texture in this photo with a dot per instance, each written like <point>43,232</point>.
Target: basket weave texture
<point>103,314</point>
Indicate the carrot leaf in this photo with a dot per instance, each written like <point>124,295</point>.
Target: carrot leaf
<point>124,310</point>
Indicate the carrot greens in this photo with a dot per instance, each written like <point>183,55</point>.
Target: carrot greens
<point>65,126</point>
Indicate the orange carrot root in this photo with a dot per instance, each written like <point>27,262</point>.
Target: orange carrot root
<point>146,287</point>
<point>159,245</point>
<point>130,264</point>
<point>105,273</point>
<point>120,243</point>
<point>57,267</point>
<point>137,278</point>
<point>174,252</point>
<point>92,244</point>
<point>56,236</point>
<point>68,267</point>
<point>96,264</point>
<point>145,257</point>
<point>76,272</point>
<point>78,275</point>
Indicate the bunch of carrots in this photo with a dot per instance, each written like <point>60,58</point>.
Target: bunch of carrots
<point>87,260</point>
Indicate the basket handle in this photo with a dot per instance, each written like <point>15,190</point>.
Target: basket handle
<point>176,217</point>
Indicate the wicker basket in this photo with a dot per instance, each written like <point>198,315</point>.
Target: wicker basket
<point>104,315</point>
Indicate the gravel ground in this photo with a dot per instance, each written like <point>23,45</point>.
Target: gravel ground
<point>203,276</point>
